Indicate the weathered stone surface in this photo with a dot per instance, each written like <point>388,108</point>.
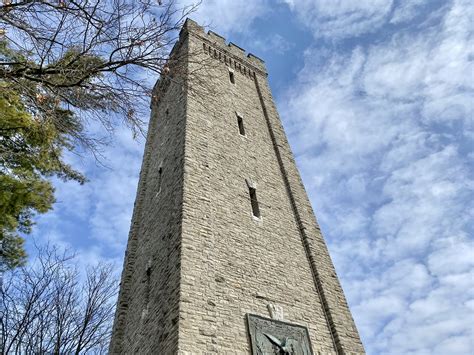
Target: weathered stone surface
<point>198,260</point>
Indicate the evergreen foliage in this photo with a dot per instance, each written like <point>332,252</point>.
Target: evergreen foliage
<point>64,65</point>
<point>33,136</point>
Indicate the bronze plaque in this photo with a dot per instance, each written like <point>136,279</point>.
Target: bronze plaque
<point>270,336</point>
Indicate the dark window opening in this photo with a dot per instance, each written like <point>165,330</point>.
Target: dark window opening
<point>146,297</point>
<point>231,77</point>
<point>160,178</point>
<point>254,202</point>
<point>240,122</point>
<point>147,284</point>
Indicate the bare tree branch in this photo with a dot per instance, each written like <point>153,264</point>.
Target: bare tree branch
<point>46,308</point>
<point>92,56</point>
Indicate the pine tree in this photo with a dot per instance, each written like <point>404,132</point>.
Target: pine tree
<point>31,148</point>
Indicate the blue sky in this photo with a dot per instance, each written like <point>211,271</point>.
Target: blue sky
<point>376,99</point>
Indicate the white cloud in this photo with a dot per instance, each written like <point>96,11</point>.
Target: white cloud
<point>227,16</point>
<point>94,218</point>
<point>338,18</point>
<point>381,135</point>
<point>407,10</point>
<point>275,43</point>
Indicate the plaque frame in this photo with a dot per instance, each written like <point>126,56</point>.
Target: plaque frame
<point>257,323</point>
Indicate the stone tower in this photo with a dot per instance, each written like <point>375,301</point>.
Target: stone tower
<point>224,253</point>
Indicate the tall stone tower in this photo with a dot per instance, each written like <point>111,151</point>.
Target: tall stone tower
<point>224,253</point>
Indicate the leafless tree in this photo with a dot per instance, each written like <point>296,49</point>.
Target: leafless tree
<point>66,65</point>
<point>48,307</point>
<point>90,56</point>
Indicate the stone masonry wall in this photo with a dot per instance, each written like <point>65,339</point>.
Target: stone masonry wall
<point>146,320</point>
<point>233,263</point>
<point>344,332</point>
<point>198,260</point>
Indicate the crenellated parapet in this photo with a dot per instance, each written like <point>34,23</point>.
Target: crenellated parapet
<point>216,46</point>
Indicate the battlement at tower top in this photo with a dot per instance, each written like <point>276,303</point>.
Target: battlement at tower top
<point>220,45</point>
<point>216,46</point>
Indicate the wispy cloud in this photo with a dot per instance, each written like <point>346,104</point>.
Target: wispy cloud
<point>228,16</point>
<point>382,135</point>
<point>406,10</point>
<point>94,219</point>
<point>275,43</point>
<point>338,19</point>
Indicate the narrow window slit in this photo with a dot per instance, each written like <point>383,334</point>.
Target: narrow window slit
<point>146,295</point>
<point>147,283</point>
<point>254,202</point>
<point>240,122</point>
<point>160,178</point>
<point>231,77</point>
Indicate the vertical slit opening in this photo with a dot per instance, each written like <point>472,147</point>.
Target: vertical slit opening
<point>146,295</point>
<point>240,122</point>
<point>231,77</point>
<point>160,178</point>
<point>147,285</point>
<point>254,202</point>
